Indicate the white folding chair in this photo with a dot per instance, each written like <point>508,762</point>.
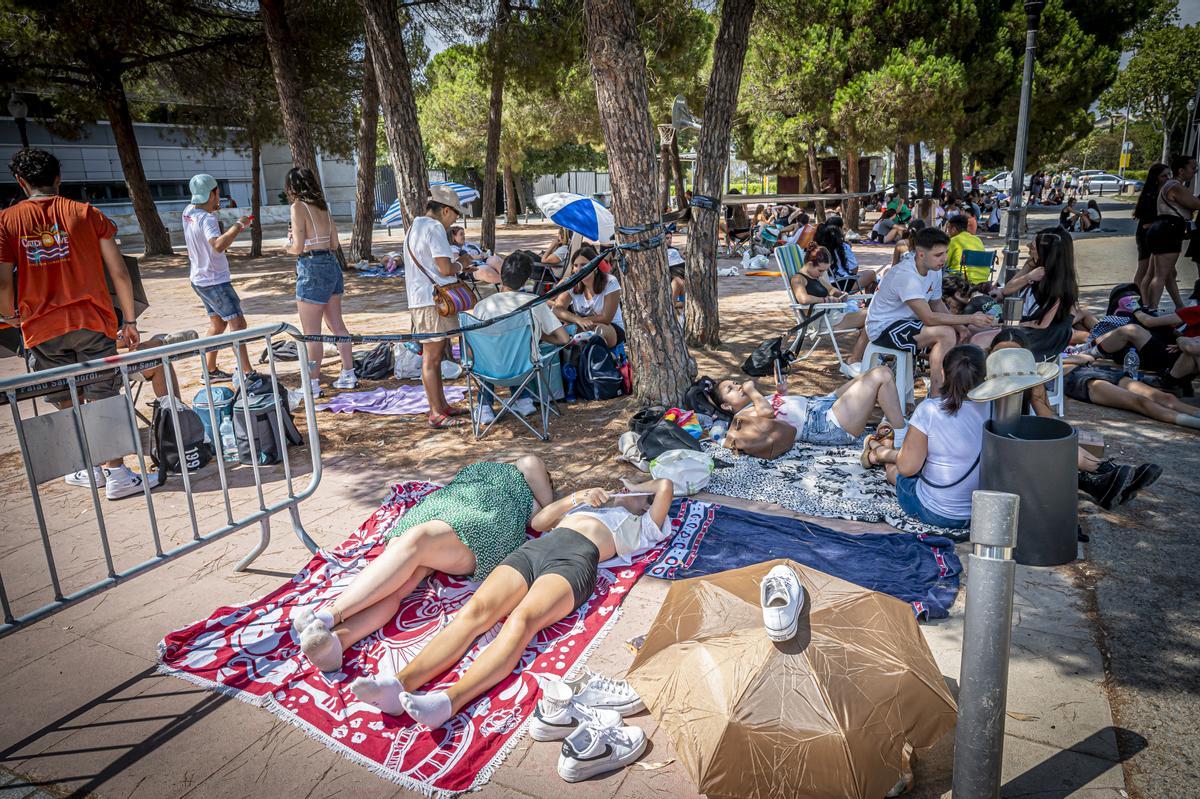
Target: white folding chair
<point>789,258</point>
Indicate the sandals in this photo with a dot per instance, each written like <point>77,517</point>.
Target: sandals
<point>872,443</point>
<point>444,421</point>
<point>457,410</point>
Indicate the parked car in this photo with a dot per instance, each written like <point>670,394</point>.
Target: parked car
<point>1002,181</point>
<point>912,188</point>
<point>1108,183</point>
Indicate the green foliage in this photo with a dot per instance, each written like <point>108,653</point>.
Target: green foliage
<point>1101,149</point>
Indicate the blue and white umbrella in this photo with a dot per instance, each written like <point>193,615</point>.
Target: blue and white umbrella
<point>393,216</point>
<point>580,214</point>
<point>466,194</point>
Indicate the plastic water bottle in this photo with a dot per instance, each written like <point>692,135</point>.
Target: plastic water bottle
<point>718,430</point>
<point>568,373</point>
<point>228,440</point>
<point>1133,363</point>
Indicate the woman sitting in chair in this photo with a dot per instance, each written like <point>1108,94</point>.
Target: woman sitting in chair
<point>810,286</point>
<point>844,271</point>
<point>595,303</point>
<point>541,583</point>
<point>468,527</point>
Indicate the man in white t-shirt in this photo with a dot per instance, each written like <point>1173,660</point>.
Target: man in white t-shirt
<point>210,277</point>
<point>428,258</point>
<point>907,312</point>
<point>514,274</point>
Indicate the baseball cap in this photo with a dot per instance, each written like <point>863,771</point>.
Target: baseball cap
<point>1129,304</point>
<point>440,194</point>
<point>201,186</point>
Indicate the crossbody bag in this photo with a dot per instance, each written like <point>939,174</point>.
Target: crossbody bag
<point>450,299</point>
<point>966,474</point>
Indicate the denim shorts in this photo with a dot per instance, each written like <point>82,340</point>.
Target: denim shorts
<point>910,503</point>
<point>820,426</point>
<point>220,300</point>
<point>318,277</point>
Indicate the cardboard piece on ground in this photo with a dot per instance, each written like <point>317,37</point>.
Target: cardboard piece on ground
<point>1092,441</point>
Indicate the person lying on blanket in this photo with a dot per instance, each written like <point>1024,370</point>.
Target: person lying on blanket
<point>468,527</point>
<point>539,584</point>
<point>836,419</point>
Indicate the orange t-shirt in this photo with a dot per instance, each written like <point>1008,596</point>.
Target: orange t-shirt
<point>55,244</point>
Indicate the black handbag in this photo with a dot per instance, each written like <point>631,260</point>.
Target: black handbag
<point>664,436</point>
<point>646,418</point>
<point>768,358</point>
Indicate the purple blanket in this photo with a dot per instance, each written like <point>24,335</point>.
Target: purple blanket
<point>406,399</point>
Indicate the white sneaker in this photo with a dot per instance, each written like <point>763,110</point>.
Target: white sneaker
<point>592,750</point>
<point>781,597</point>
<point>347,380</point>
<point>484,415</point>
<point>121,482</point>
<point>557,714</point>
<point>524,406</point>
<point>80,478</point>
<point>601,693</point>
<point>316,387</point>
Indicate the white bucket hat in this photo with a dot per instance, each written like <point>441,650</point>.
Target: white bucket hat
<point>446,196</point>
<point>1011,371</point>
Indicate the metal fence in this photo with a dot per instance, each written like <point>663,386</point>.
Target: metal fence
<point>83,434</point>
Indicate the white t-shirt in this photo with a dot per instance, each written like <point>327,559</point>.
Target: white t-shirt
<point>673,257</point>
<point>901,284</point>
<point>639,535</point>
<point>502,302</point>
<point>954,444</point>
<point>426,239</point>
<point>209,267</point>
<point>790,408</point>
<point>582,306</point>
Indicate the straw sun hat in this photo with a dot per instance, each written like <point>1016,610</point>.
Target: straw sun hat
<point>1011,371</point>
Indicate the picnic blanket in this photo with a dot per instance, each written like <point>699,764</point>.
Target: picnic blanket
<point>401,401</point>
<point>249,651</point>
<point>922,570</point>
<point>817,480</point>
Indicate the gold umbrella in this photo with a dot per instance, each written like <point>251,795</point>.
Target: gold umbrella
<point>835,712</point>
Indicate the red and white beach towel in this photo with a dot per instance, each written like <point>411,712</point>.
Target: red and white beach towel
<point>249,651</point>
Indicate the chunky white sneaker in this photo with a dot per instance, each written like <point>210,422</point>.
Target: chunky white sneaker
<point>121,482</point>
<point>80,478</point>
<point>601,693</point>
<point>592,750</point>
<point>316,387</point>
<point>524,406</point>
<point>484,415</point>
<point>557,714</point>
<point>346,380</point>
<point>781,597</point>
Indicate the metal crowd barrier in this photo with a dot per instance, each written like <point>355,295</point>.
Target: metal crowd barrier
<point>59,443</point>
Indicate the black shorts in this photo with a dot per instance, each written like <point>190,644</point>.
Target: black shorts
<point>72,348</point>
<point>1076,382</point>
<point>1152,357</point>
<point>561,551</point>
<point>1139,238</point>
<point>677,271</point>
<point>1165,235</point>
<point>901,335</point>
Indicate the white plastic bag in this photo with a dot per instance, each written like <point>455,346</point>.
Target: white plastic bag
<point>408,363</point>
<point>759,263</point>
<point>688,470</point>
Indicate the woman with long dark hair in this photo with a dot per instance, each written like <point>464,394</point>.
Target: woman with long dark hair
<point>595,303</point>
<point>1145,212</point>
<point>1175,206</point>
<point>843,270</point>
<point>319,285</point>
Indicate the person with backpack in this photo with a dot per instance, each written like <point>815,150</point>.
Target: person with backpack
<point>595,303</point>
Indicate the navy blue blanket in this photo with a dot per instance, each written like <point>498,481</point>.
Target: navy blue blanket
<point>922,570</point>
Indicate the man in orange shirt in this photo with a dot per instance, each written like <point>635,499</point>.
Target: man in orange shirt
<point>61,304</point>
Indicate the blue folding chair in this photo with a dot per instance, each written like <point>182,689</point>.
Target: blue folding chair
<point>506,354</point>
<point>978,259</point>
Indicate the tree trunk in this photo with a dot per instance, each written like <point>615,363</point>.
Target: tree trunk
<point>495,114</point>
<point>281,46</point>
<point>256,232</point>
<point>157,240</point>
<point>522,196</point>
<point>852,178</point>
<point>364,194</point>
<point>510,197</point>
<point>658,356</point>
<point>939,171</point>
<point>677,173</point>
<point>393,73</point>
<point>1166,150</point>
<point>956,169</point>
<point>814,172</point>
<point>919,172</point>
<point>901,182</point>
<point>712,159</point>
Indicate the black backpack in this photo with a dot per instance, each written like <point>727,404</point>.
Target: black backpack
<point>701,398</point>
<point>283,350</point>
<point>768,358</point>
<point>378,364</point>
<point>263,426</point>
<point>596,374</point>
<point>164,450</point>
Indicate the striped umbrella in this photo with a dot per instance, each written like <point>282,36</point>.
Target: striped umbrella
<point>580,214</point>
<point>466,194</point>
<point>393,217</point>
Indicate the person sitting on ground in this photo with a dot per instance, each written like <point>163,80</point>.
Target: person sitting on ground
<point>1176,358</point>
<point>1089,218</point>
<point>514,274</point>
<point>595,303</point>
<point>836,419</point>
<point>936,467</point>
<point>887,229</point>
<point>903,212</point>
<point>907,312</point>
<point>1068,216</point>
<point>466,528</point>
<point>961,239</point>
<point>843,271</point>
<point>541,583</point>
<point>993,216</point>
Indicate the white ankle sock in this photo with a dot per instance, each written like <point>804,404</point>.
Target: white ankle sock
<point>1187,420</point>
<point>431,709</point>
<point>898,434</point>
<point>325,615</point>
<point>306,616</point>
<point>322,648</point>
<point>384,693</point>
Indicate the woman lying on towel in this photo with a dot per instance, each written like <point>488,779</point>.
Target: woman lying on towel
<point>836,419</point>
<point>540,583</point>
<point>468,527</point>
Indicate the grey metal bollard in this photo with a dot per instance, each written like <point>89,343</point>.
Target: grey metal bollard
<point>983,676</point>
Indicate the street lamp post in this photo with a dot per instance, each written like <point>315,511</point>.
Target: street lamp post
<point>1016,200</point>
<point>18,110</point>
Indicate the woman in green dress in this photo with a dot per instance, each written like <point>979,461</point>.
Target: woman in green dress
<point>466,528</point>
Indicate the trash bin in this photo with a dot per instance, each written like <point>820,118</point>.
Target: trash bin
<point>1037,461</point>
<point>222,402</point>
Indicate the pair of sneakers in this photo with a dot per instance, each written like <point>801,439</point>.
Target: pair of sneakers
<point>587,715</point>
<point>485,414</point>
<point>118,482</point>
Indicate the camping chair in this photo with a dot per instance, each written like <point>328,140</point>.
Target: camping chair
<point>789,258</point>
<point>977,259</point>
<point>506,354</point>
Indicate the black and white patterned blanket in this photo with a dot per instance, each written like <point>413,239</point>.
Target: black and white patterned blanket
<point>820,481</point>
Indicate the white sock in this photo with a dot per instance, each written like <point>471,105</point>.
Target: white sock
<point>1187,420</point>
<point>384,693</point>
<point>322,648</point>
<point>325,615</point>
<point>306,617</point>
<point>431,709</point>
<point>898,434</point>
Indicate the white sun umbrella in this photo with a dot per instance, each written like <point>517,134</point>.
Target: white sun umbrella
<point>580,214</point>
